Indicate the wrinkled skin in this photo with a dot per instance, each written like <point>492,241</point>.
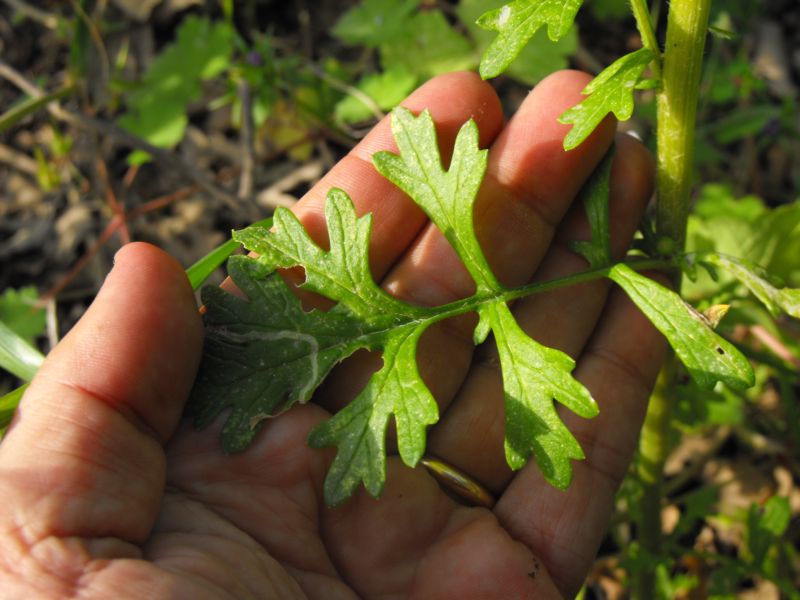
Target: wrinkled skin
<point>107,493</point>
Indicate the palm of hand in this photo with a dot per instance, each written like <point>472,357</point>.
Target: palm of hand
<point>85,464</point>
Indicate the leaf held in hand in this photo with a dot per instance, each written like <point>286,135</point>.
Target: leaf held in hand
<point>707,356</point>
<point>611,91</point>
<point>359,430</point>
<point>534,375</point>
<point>264,354</point>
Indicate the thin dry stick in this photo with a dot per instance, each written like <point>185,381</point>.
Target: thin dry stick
<point>110,229</point>
<point>246,138</point>
<point>18,160</point>
<point>116,206</point>
<point>47,19</point>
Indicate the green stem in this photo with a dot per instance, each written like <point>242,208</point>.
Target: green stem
<point>653,450</point>
<point>644,24</point>
<point>687,25</point>
<point>14,115</point>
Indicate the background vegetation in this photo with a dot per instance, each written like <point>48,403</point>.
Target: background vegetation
<point>173,121</point>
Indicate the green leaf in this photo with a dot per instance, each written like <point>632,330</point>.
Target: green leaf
<point>611,91</point>
<point>18,310</point>
<point>359,430</point>
<point>386,89</point>
<point>707,356</point>
<point>373,22</point>
<point>8,404</point>
<point>532,376</point>
<point>427,46</point>
<point>264,354</point>
<point>201,270</point>
<point>517,22</point>
<point>17,356</point>
<point>777,300</point>
<point>341,273</point>
<point>595,193</point>
<point>539,57</point>
<point>446,196</point>
<point>157,107</point>
<point>765,526</point>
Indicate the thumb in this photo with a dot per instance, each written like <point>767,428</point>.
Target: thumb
<point>84,454</point>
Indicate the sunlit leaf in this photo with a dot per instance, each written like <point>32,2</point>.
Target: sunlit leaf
<point>516,23</point>
<point>539,57</point>
<point>610,92</point>
<point>265,353</point>
<point>708,357</point>
<point>533,376</point>
<point>18,356</point>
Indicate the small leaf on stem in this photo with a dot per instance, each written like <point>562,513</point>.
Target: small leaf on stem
<point>611,91</point>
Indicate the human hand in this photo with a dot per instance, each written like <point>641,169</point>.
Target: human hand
<point>107,494</point>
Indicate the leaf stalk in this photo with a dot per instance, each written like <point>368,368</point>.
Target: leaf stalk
<point>644,23</point>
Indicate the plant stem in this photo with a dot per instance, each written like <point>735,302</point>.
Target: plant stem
<point>644,24</point>
<point>687,26</point>
<point>653,450</point>
<point>14,115</point>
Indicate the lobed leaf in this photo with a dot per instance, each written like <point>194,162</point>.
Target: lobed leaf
<point>265,354</point>
<point>341,273</point>
<point>446,196</point>
<point>516,23</point>
<point>539,57</point>
<point>534,375</point>
<point>707,356</point>
<point>611,91</point>
<point>359,430</point>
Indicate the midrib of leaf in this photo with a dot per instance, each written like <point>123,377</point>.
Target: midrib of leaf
<point>425,317</point>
